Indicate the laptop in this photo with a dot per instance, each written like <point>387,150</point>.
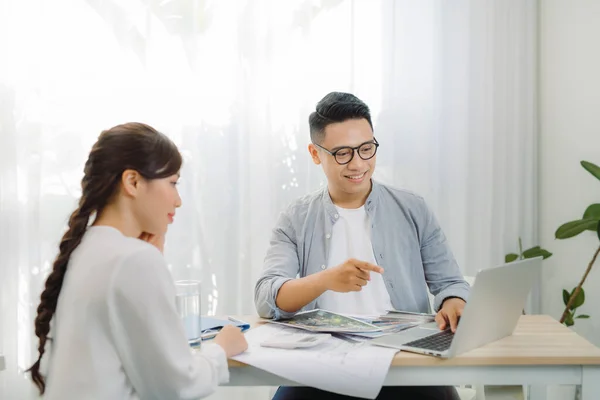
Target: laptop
<point>495,304</point>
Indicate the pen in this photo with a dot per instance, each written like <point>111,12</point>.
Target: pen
<point>237,321</point>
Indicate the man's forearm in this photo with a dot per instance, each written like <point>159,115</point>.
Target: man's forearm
<point>296,293</point>
<point>458,289</point>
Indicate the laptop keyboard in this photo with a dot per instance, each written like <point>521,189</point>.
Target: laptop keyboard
<point>438,341</point>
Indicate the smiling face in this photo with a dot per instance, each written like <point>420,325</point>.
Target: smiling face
<point>154,203</point>
<point>349,184</point>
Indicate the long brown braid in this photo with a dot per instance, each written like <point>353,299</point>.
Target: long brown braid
<point>133,146</point>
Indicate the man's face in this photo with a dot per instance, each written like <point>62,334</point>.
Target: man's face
<point>355,176</point>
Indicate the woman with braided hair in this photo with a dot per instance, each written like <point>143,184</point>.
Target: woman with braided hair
<point>115,332</point>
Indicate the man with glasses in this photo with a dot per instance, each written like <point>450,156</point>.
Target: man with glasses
<point>357,247</point>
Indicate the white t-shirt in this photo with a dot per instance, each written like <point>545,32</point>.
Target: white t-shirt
<point>351,238</point>
<point>117,334</point>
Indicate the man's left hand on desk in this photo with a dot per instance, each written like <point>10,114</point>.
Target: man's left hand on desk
<point>451,310</point>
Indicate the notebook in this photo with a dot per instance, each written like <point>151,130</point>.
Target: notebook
<point>211,326</point>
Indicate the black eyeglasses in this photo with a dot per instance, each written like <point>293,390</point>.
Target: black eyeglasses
<point>344,155</point>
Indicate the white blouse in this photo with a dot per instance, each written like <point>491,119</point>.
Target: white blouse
<point>116,332</point>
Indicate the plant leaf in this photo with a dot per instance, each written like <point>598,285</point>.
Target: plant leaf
<point>510,257</point>
<point>569,320</point>
<point>536,252</point>
<point>546,254</point>
<point>582,316</point>
<point>574,228</point>
<point>579,300</point>
<point>592,212</point>
<point>591,168</point>
<point>598,231</point>
<point>565,296</point>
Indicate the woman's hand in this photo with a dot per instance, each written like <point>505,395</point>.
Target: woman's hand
<point>157,241</point>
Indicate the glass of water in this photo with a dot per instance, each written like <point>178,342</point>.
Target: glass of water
<point>188,306</point>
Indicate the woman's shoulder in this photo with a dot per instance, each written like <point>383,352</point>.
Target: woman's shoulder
<point>120,249</point>
<point>137,263</point>
<point>136,251</point>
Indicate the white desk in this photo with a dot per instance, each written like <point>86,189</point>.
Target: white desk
<point>541,352</point>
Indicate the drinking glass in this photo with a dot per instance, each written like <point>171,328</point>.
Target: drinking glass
<point>187,302</point>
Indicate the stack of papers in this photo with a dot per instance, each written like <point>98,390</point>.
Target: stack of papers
<point>347,326</point>
<point>329,322</point>
<point>408,317</point>
<point>345,363</point>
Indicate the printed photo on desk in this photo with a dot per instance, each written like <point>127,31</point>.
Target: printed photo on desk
<point>326,321</point>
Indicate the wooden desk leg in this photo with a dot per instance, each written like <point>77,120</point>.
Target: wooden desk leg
<point>590,382</point>
<point>538,392</point>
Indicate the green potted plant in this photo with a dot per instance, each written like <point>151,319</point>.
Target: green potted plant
<point>589,222</point>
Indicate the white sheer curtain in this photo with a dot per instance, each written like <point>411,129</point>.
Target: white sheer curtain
<point>451,86</point>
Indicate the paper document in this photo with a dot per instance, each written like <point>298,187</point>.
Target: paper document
<point>408,317</point>
<point>341,366</point>
<point>386,328</point>
<point>327,321</point>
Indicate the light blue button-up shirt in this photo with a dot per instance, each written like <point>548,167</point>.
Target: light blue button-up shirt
<point>407,242</point>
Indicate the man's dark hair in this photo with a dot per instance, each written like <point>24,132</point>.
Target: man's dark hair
<point>336,107</point>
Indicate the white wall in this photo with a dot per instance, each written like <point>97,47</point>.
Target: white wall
<point>570,132</point>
